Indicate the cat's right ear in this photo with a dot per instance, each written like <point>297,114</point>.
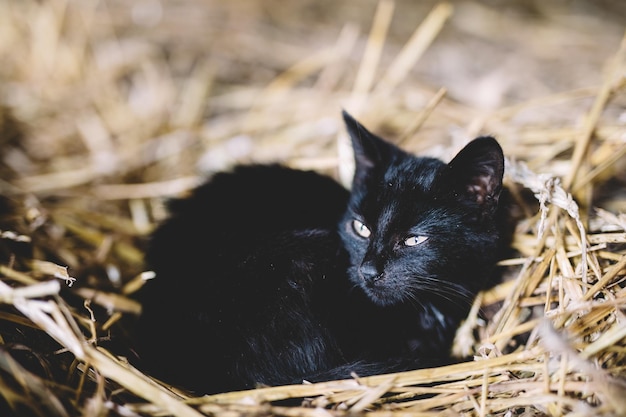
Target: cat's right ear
<point>369,149</point>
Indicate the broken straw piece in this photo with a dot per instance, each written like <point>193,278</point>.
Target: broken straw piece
<point>548,190</point>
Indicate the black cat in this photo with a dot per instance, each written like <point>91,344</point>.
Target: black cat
<point>269,275</point>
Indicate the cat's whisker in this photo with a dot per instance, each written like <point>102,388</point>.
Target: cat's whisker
<point>450,291</point>
<point>414,300</point>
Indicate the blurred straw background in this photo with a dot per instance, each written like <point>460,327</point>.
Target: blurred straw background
<point>109,107</point>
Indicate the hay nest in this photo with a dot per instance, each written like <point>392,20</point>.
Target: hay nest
<point>108,109</point>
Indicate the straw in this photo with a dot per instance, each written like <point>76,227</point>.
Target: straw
<point>108,110</point>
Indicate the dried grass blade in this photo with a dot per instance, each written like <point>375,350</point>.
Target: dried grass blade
<point>525,283</point>
<point>601,168</point>
<point>17,275</point>
<point>419,42</point>
<point>147,190</point>
<point>593,116</point>
<point>421,376</point>
<point>606,278</point>
<point>363,84</point>
<point>330,75</point>
<point>373,51</point>
<point>138,383</point>
<point>32,389</point>
<point>422,116</point>
<point>194,96</point>
<point>371,395</point>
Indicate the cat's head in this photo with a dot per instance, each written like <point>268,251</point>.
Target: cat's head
<point>417,228</point>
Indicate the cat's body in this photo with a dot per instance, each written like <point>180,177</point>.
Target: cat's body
<point>268,275</point>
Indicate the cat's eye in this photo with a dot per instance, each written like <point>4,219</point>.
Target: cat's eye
<point>414,240</point>
<point>361,229</point>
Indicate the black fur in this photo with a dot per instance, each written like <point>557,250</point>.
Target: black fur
<point>264,277</point>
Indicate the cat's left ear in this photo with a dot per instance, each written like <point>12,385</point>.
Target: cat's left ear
<point>369,149</point>
<point>477,171</point>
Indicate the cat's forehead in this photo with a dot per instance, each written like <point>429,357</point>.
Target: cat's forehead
<point>398,193</point>
<point>415,173</point>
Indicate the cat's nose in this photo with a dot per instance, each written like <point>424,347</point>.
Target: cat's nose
<point>369,272</point>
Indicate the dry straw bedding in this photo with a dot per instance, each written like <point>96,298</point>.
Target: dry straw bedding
<point>99,126</point>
